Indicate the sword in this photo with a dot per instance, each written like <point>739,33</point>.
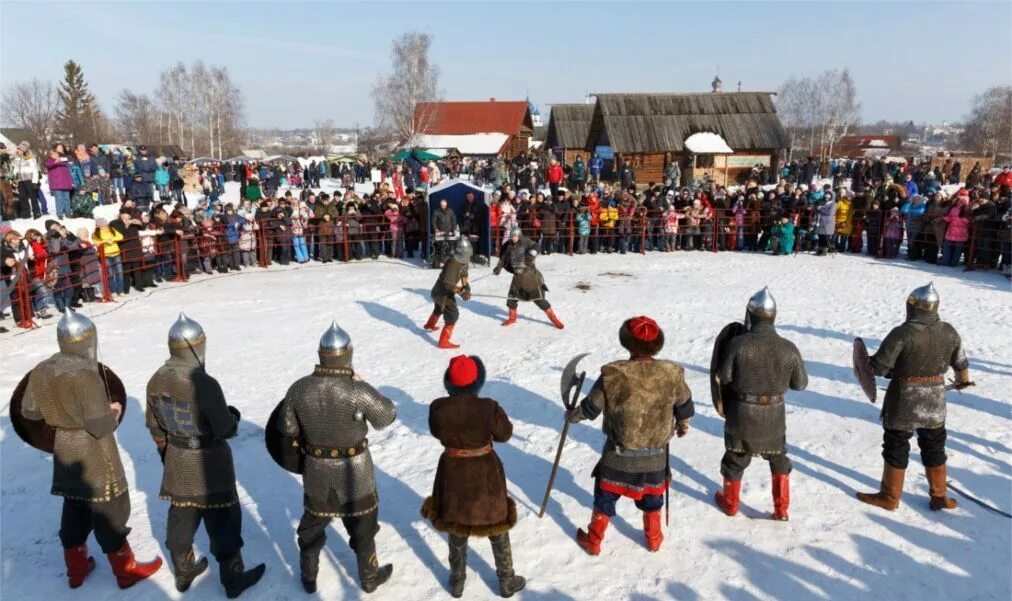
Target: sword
<point>570,387</point>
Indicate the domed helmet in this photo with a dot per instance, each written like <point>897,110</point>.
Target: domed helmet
<point>187,340</point>
<point>463,251</point>
<point>77,335</point>
<point>762,307</point>
<point>923,300</point>
<point>335,348</point>
<point>515,231</point>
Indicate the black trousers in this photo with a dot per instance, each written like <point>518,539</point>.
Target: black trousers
<point>223,526</point>
<point>896,447</point>
<point>541,303</point>
<point>361,531</point>
<point>108,520</point>
<point>448,309</point>
<point>733,465</point>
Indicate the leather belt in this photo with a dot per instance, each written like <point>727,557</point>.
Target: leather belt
<point>638,452</point>
<point>921,379</point>
<point>335,452</point>
<point>463,453</point>
<point>761,399</point>
<point>192,442</point>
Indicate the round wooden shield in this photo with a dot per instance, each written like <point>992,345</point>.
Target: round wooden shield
<point>719,392</point>
<point>283,450</point>
<point>41,435</point>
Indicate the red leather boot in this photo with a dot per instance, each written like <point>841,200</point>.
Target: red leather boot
<point>781,496</point>
<point>652,528</point>
<point>444,338</point>
<point>128,572</point>
<point>728,499</point>
<point>590,541</point>
<point>512,318</point>
<point>79,565</point>
<point>431,324</point>
<point>555,320</point>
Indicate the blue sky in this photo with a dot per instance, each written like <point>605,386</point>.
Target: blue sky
<point>301,61</point>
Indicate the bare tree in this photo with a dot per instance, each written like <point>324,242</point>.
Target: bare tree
<point>843,108</point>
<point>414,79</point>
<point>791,109</point>
<point>323,130</point>
<point>989,124</point>
<point>136,117</point>
<point>824,107</point>
<point>31,105</point>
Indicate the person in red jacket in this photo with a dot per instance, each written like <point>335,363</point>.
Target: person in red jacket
<point>554,176</point>
<point>1004,180</point>
<point>594,204</point>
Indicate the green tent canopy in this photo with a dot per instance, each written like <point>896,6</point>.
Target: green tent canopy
<point>419,154</point>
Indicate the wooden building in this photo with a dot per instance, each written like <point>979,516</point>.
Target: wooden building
<point>651,129</point>
<point>450,119</point>
<point>568,127</point>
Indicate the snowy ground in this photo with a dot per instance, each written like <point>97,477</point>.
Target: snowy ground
<point>263,327</point>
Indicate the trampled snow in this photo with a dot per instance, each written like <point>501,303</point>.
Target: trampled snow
<point>263,327</point>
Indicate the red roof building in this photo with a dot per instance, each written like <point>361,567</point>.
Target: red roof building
<point>512,118</point>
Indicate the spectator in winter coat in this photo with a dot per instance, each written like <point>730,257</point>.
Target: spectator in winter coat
<point>583,229</point>
<point>826,224</point>
<point>957,232</point>
<point>627,175</point>
<point>596,166</point>
<point>161,180</point>
<point>893,236</point>
<point>913,218</point>
<point>397,223</point>
<point>140,192</point>
<point>844,226</point>
<point>910,185</point>
<point>578,176</point>
<point>60,180</point>
<point>108,239</point>
<point>554,176</point>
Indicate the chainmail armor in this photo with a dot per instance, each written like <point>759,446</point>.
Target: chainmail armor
<point>759,362</point>
<point>451,275</point>
<point>321,410</point>
<point>923,346</point>
<point>186,403</point>
<point>68,393</point>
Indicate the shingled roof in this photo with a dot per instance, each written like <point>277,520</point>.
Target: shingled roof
<point>634,123</point>
<point>569,125</point>
<point>466,118</point>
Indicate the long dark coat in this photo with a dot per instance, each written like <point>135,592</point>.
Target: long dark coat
<point>469,494</point>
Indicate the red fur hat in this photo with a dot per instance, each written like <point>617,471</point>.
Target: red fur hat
<point>464,374</point>
<point>641,336</point>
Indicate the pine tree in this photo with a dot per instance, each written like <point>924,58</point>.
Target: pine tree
<point>76,117</point>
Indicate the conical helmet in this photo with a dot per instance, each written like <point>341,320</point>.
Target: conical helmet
<point>924,298</point>
<point>77,335</point>
<point>463,251</point>
<point>762,304</point>
<point>335,347</point>
<point>187,339</point>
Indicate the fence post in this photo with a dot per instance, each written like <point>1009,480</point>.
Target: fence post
<point>262,259</point>
<point>971,249</point>
<point>180,260</point>
<point>643,237</point>
<point>572,230</point>
<point>345,243</point>
<point>25,299</point>
<point>103,271</point>
<point>713,229</point>
<point>881,234</point>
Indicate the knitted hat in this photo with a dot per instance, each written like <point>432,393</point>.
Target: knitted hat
<point>464,374</point>
<point>641,336</point>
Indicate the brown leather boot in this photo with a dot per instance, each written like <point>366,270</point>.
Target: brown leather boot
<point>888,497</point>
<point>937,485</point>
<point>431,324</point>
<point>444,338</point>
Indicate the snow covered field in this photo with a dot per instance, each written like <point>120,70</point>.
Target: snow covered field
<point>263,327</point>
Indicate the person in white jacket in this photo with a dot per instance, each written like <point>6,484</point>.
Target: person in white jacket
<point>27,175</point>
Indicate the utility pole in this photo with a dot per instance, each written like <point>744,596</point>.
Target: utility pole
<point>739,85</point>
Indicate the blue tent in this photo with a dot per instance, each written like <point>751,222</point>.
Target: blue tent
<point>454,193</point>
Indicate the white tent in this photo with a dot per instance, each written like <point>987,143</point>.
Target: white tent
<point>488,144</point>
<point>706,142</point>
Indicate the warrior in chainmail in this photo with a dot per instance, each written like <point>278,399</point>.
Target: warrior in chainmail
<point>452,281</point>
<point>915,357</point>
<point>645,402</point>
<point>517,256</point>
<point>760,367</point>
<point>67,392</point>
<point>191,424</point>
<point>329,414</point>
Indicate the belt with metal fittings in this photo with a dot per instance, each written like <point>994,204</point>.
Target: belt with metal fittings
<point>638,452</point>
<point>761,399</point>
<point>921,379</point>
<point>460,453</point>
<point>335,452</point>
<point>192,442</point>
